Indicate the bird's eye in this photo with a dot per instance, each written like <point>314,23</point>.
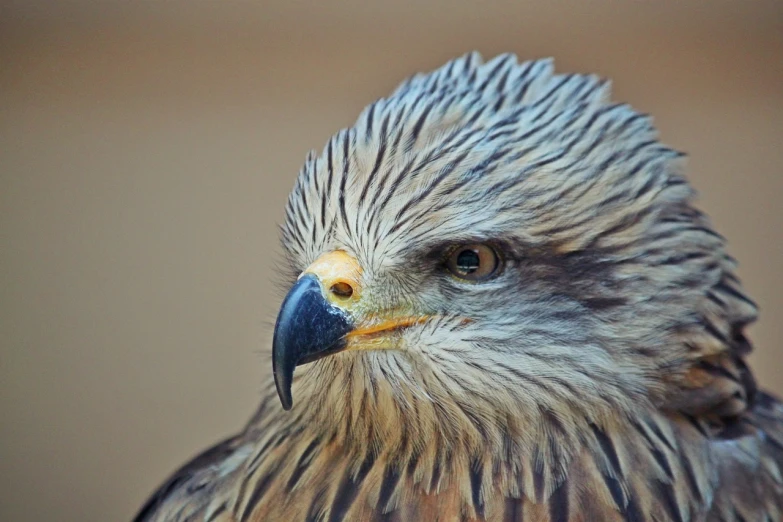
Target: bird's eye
<point>473,262</point>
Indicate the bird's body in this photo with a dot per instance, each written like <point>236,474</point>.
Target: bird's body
<point>659,468</point>
<point>510,311</point>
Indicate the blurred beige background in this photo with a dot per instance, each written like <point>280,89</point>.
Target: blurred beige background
<point>147,149</point>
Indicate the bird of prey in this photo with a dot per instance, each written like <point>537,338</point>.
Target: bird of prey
<point>503,306</point>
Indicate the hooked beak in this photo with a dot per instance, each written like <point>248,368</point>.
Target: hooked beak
<point>319,317</point>
<point>308,327</point>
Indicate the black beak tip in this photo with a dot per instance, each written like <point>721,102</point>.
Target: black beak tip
<point>283,386</point>
<point>283,366</point>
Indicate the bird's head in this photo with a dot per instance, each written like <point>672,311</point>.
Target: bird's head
<point>493,245</point>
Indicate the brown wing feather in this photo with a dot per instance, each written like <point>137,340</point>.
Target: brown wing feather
<point>750,467</point>
<point>190,489</point>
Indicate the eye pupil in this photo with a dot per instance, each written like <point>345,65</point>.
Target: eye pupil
<point>468,261</point>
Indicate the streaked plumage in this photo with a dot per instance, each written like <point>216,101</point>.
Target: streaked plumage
<point>600,376</point>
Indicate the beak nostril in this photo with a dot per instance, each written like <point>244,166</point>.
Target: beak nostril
<point>342,290</point>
